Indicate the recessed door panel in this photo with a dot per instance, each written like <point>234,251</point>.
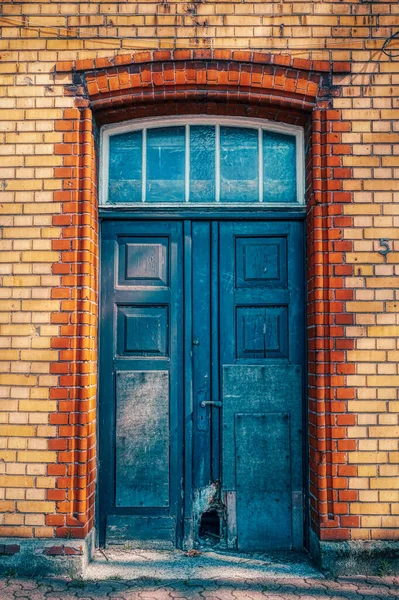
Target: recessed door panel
<point>142,438</point>
<point>263,481</point>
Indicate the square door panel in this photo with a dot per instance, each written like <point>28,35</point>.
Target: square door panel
<point>143,262</point>
<point>142,331</point>
<point>261,262</point>
<point>262,332</point>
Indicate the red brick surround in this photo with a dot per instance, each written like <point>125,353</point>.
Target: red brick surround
<point>220,82</point>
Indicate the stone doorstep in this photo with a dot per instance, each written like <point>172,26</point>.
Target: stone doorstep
<point>165,565</point>
<point>80,559</point>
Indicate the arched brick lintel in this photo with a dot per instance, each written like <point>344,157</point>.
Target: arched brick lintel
<point>202,81</point>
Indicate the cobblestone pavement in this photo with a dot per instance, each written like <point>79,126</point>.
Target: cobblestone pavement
<point>346,588</point>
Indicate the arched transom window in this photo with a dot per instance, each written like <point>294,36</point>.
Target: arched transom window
<point>202,162</point>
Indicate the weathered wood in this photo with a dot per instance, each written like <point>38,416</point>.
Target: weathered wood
<point>263,472</point>
<point>258,389</point>
<point>231,509</point>
<point>142,531</point>
<point>142,438</point>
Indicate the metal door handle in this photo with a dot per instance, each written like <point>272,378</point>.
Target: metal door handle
<point>211,403</point>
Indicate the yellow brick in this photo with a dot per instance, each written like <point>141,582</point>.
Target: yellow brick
<point>12,161</point>
<point>390,521</point>
<point>44,114</point>
<point>11,115</point>
<point>383,282</point>
<point>23,184</point>
<point>40,256</point>
<point>44,532</point>
<point>389,470</point>
<point>9,305</point>
<point>361,161</point>
<point>383,380</point>
<point>22,232</point>
<point>8,355</point>
<point>40,208</point>
<point>368,508</point>
<point>360,406</point>
<point>377,233</point>
<point>37,456</point>
<point>36,507</point>
<point>16,481</point>
<point>359,534</point>
<point>371,521</point>
<point>21,281</point>
<point>41,305</point>
<point>17,431</point>
<point>18,380</point>
<point>45,482</point>
<point>367,471</point>
<point>43,161</point>
<point>25,330</point>
<point>7,455</point>
<point>363,257</point>
<point>367,457</point>
<point>384,331</point>
<point>388,483</point>
<point>16,531</point>
<point>9,257</point>
<point>389,496</point>
<point>39,355</point>
<point>366,307</point>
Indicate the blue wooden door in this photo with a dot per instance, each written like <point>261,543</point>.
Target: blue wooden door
<point>262,353</point>
<point>201,383</point>
<point>141,429</point>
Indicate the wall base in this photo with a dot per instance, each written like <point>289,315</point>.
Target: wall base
<point>355,558</point>
<point>41,557</point>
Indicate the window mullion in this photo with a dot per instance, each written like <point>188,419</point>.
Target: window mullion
<point>144,165</point>
<point>260,154</point>
<point>217,162</point>
<point>187,165</point>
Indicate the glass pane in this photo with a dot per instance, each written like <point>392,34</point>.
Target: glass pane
<point>165,164</point>
<point>239,165</point>
<point>124,181</point>
<point>202,163</point>
<point>279,167</point>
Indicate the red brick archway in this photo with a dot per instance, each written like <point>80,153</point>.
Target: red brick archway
<point>193,82</point>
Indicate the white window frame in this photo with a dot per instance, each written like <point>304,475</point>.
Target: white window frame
<point>149,123</point>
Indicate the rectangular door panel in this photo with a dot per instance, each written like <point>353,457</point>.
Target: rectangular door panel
<point>142,438</point>
<point>143,531</point>
<point>261,389</point>
<point>263,481</point>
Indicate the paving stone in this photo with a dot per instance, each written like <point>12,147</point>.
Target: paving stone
<point>276,589</point>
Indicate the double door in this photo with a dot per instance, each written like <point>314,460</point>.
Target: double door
<point>201,354</point>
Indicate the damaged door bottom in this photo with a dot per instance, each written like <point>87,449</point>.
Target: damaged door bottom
<point>214,518</point>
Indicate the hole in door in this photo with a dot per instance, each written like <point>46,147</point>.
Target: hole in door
<point>209,528</point>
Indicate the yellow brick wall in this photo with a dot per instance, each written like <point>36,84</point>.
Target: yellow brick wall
<point>36,35</point>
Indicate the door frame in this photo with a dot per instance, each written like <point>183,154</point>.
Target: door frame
<point>186,214</point>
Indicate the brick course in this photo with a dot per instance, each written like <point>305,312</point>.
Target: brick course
<point>319,65</point>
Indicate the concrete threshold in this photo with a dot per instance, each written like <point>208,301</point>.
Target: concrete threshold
<point>176,565</point>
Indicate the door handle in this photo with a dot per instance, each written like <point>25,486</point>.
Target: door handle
<point>215,403</point>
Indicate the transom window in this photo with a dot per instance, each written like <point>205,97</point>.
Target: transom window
<point>202,162</point>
